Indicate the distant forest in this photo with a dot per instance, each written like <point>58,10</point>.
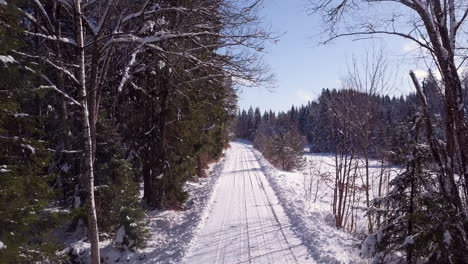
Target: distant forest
<point>345,120</point>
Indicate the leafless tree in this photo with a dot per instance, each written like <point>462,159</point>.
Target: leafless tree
<point>434,26</point>
<point>370,78</point>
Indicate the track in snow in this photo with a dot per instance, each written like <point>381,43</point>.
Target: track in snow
<point>246,223</point>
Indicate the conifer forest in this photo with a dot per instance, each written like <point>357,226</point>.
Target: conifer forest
<point>128,132</point>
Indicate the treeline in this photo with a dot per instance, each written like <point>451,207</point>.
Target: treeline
<point>342,119</point>
<point>334,123</point>
<point>99,98</point>
<point>275,135</point>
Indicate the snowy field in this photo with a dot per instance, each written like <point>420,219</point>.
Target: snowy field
<point>315,186</point>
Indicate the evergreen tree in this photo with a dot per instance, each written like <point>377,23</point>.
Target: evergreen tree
<point>25,194</point>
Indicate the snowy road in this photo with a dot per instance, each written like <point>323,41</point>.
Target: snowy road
<point>246,223</point>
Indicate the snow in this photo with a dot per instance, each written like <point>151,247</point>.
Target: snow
<point>6,59</point>
<point>119,236</point>
<point>311,222</point>
<point>80,247</point>
<point>246,223</point>
<point>161,64</point>
<point>2,245</point>
<point>3,2</point>
<point>171,231</point>
<point>126,74</point>
<point>31,148</point>
<point>409,240</point>
<point>369,246</point>
<point>148,26</point>
<point>245,211</point>
<point>447,238</point>
<point>162,21</point>
<point>65,167</point>
<point>4,168</point>
<point>20,114</point>
<point>324,167</point>
<point>77,201</point>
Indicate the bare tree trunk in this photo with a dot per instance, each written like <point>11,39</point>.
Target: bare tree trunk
<point>93,105</point>
<point>93,233</point>
<point>444,159</point>
<point>335,190</point>
<point>200,171</point>
<point>316,189</point>
<point>382,172</point>
<point>369,217</point>
<point>159,197</point>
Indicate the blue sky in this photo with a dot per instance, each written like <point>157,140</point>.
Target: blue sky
<point>302,66</point>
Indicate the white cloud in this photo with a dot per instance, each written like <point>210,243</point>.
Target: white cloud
<point>304,95</point>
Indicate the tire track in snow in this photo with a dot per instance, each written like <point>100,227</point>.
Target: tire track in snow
<point>223,229</point>
<point>259,219</point>
<point>246,219</point>
<point>246,224</point>
<point>275,218</point>
<point>232,243</point>
<point>272,217</point>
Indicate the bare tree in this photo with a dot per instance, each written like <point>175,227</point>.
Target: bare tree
<point>434,26</point>
<point>371,79</point>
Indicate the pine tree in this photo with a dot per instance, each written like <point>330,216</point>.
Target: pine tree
<point>25,194</point>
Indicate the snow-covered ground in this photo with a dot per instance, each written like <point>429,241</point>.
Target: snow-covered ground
<point>246,223</point>
<point>247,211</point>
<point>320,166</point>
<point>171,231</point>
<point>307,197</point>
<point>310,221</point>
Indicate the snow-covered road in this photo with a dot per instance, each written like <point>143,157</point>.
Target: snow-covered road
<point>246,223</point>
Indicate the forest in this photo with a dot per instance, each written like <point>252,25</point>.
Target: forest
<point>122,138</point>
<point>100,98</point>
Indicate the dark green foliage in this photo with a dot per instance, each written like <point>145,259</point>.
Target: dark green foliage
<point>118,205</point>
<point>24,182</point>
<point>117,196</point>
<point>161,126</point>
<point>418,221</point>
<point>322,123</point>
<point>180,137</point>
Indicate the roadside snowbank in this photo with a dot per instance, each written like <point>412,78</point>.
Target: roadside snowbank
<point>170,231</point>
<point>312,222</point>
